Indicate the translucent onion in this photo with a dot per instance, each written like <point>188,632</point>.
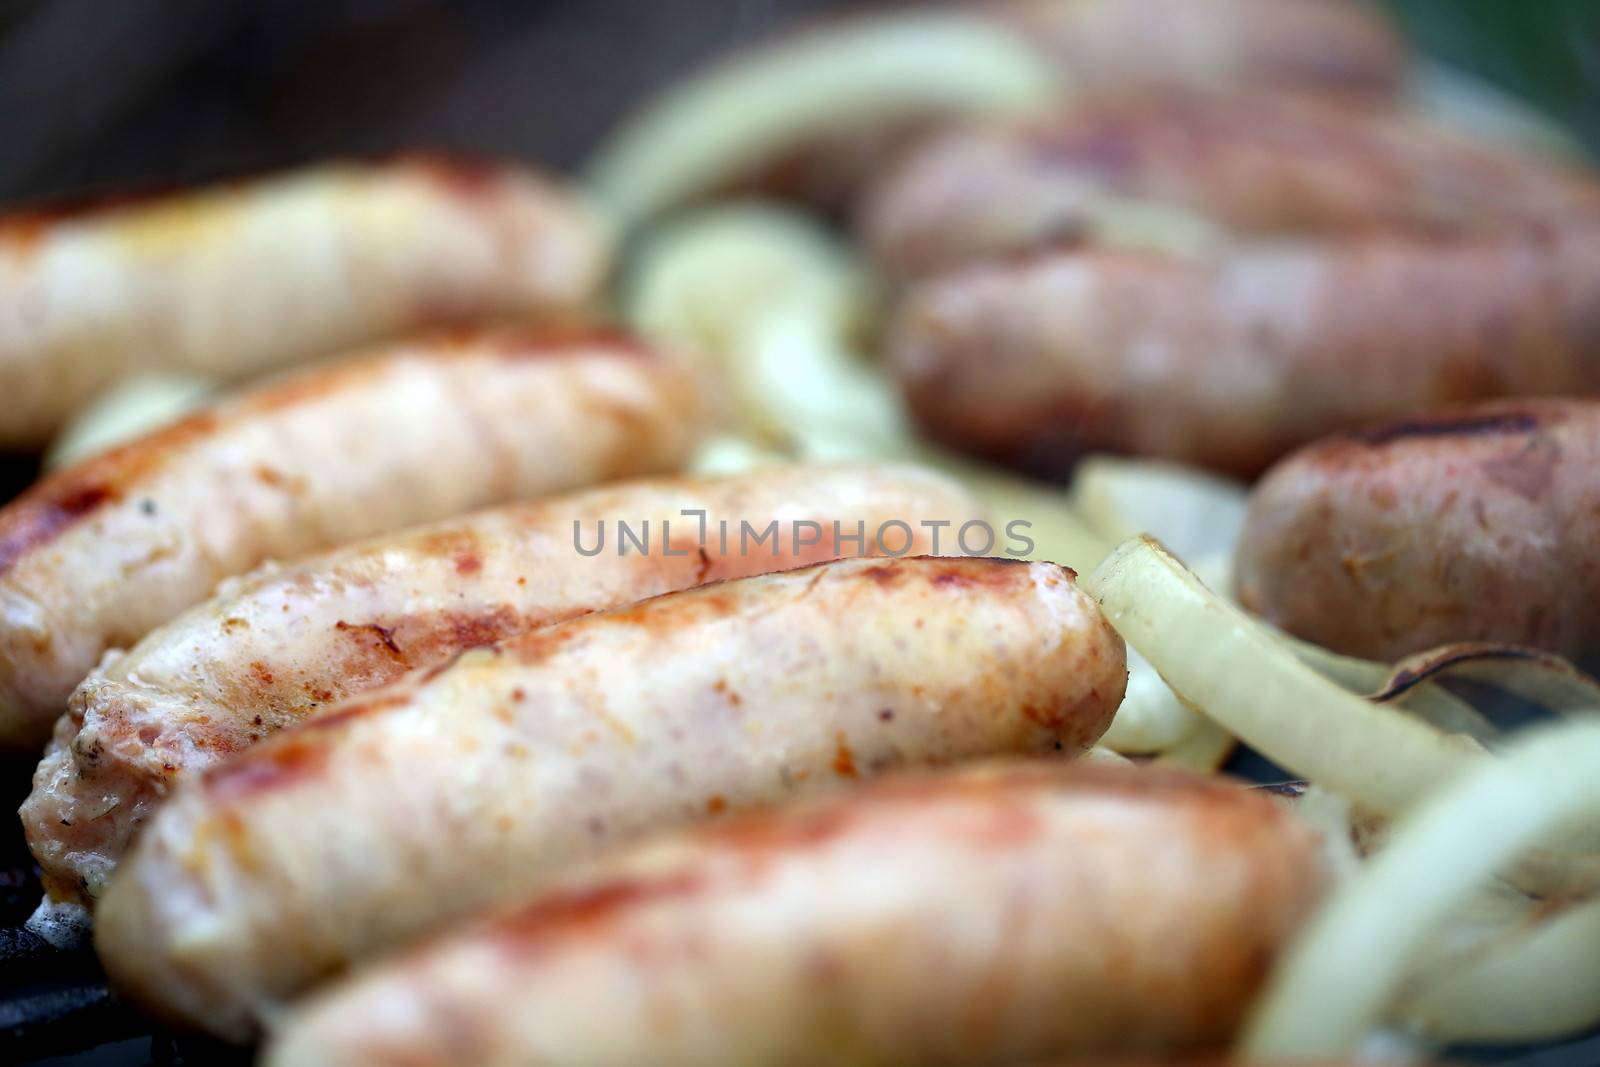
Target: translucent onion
<point>763,298</point>
<point>1059,533</point>
<point>770,301</point>
<point>730,454</point>
<point>1206,748</point>
<point>1332,814</point>
<point>1223,663</point>
<point>1540,677</point>
<point>1425,699</point>
<point>1196,515</point>
<point>1544,985</point>
<point>127,410</point>
<point>1337,981</point>
<point>1151,718</point>
<point>723,123</point>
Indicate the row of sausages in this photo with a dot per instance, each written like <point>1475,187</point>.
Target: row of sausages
<point>506,782</point>
<point>311,770</point>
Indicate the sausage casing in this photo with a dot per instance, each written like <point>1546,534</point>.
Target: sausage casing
<point>1109,47</point>
<point>406,808</point>
<point>1243,165</point>
<point>992,915</point>
<point>1102,49</point>
<point>1229,362</point>
<point>100,552</point>
<point>236,279</point>
<point>274,647</point>
<point>1474,524</point>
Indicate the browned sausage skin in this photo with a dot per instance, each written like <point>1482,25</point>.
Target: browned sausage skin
<point>1231,362</point>
<point>1105,47</point>
<point>417,804</point>
<point>1030,330</point>
<point>1108,49</point>
<point>992,915</point>
<point>100,552</point>
<point>1474,524</point>
<point>273,647</point>
<point>1243,164</point>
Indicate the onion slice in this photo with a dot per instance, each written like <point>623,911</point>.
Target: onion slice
<point>1223,663</point>
<point>1206,748</point>
<point>1541,677</point>
<point>1543,986</point>
<point>1197,515</point>
<point>723,123</point>
<point>769,302</point>
<point>132,407</point>
<point>1338,979</point>
<point>1424,698</point>
<point>1151,718</point>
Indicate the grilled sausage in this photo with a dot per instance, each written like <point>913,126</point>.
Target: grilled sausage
<point>100,552</point>
<point>1106,49</point>
<point>448,791</point>
<point>1475,524</point>
<point>986,916</point>
<point>1230,361</point>
<point>271,649</point>
<point>1161,163</point>
<point>232,280</point>
<point>1110,47</point>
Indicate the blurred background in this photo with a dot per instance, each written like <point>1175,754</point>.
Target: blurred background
<point>101,94</point>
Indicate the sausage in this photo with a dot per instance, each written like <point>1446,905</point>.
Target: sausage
<point>235,279</point>
<point>1470,524</point>
<point>446,792</point>
<point>100,552</point>
<point>984,916</point>
<point>269,650</point>
<point>1107,49</point>
<point>1232,360</point>
<point>1247,165</point>
<point>1111,47</point>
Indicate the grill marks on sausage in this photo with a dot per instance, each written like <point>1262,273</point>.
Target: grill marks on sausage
<point>384,634</point>
<point>64,499</point>
<point>40,520</point>
<point>574,912</point>
<point>997,809</point>
<point>1495,424</point>
<point>382,650</point>
<point>293,755</point>
<point>61,501</point>
<point>298,752</point>
<point>844,759</point>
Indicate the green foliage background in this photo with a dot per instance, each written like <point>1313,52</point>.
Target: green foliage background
<point>1545,51</point>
